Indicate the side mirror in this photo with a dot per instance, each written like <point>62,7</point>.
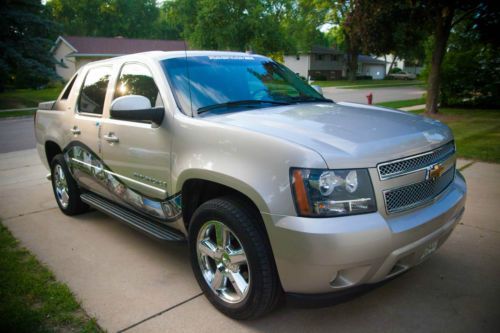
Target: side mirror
<point>318,89</point>
<point>136,108</point>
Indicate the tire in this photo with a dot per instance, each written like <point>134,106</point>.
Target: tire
<point>226,216</point>
<point>66,191</point>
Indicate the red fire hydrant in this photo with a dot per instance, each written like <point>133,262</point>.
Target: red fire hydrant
<point>369,97</point>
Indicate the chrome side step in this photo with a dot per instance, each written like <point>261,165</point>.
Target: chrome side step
<point>137,221</point>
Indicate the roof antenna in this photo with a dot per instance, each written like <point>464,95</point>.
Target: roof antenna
<point>189,80</point>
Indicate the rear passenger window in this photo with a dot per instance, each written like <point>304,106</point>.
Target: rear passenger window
<point>135,79</point>
<point>93,93</point>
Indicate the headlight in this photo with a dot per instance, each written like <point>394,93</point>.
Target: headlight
<point>324,193</point>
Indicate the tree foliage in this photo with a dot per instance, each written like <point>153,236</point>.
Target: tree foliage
<point>470,70</point>
<point>26,37</point>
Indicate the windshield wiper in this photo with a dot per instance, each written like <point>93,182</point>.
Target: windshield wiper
<point>239,103</point>
<point>311,99</point>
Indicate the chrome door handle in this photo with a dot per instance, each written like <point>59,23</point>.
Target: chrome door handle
<point>111,138</point>
<point>75,130</point>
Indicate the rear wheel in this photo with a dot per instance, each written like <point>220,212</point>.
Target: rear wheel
<point>232,260</point>
<point>66,190</point>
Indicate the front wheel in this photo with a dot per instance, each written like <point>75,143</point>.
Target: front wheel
<point>65,188</point>
<point>232,260</point>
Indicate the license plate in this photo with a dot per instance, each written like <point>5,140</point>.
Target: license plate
<point>429,249</point>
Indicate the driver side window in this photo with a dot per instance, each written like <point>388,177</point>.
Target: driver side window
<point>136,79</point>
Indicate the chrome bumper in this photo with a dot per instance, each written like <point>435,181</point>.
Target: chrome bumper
<point>319,255</point>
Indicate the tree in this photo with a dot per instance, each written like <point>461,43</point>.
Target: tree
<point>26,37</point>
<point>107,18</point>
<point>470,75</point>
<point>444,16</point>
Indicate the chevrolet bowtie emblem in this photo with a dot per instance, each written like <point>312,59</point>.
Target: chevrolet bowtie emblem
<point>434,171</point>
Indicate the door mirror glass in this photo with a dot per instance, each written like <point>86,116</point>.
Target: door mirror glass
<point>136,108</point>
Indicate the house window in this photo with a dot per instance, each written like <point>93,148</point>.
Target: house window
<point>319,57</point>
<point>334,57</point>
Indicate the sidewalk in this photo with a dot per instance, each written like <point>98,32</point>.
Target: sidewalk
<point>132,283</point>
<point>413,108</point>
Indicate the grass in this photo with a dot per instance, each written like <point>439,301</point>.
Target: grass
<point>31,300</point>
<point>477,132</point>
<point>360,84</point>
<point>26,98</point>
<point>402,104</point>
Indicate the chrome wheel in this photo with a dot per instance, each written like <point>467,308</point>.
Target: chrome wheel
<point>61,186</point>
<point>223,262</point>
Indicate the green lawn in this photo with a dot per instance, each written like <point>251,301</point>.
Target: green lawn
<point>31,300</point>
<point>477,132</point>
<point>402,104</point>
<point>8,114</point>
<point>366,83</point>
<point>25,98</point>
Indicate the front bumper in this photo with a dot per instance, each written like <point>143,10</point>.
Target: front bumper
<point>320,255</point>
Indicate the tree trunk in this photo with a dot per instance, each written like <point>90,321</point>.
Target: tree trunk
<point>352,65</point>
<point>392,63</point>
<point>352,58</point>
<point>443,28</point>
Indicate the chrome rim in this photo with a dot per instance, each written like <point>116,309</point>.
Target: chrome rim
<point>61,186</point>
<point>223,262</point>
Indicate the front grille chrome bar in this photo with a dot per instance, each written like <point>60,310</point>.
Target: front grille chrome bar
<point>403,166</point>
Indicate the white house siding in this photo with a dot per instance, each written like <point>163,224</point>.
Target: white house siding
<point>66,68</point>
<point>399,63</point>
<point>298,64</point>
<point>377,72</point>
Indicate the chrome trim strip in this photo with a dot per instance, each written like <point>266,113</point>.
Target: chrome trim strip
<point>398,174</point>
<point>162,191</point>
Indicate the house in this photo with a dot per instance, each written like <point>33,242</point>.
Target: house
<point>370,66</point>
<point>413,67</point>
<point>72,52</point>
<point>324,63</point>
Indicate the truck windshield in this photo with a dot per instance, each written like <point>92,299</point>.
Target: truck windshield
<point>205,83</point>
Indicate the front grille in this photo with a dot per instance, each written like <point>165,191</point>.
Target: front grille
<point>402,166</point>
<point>417,194</point>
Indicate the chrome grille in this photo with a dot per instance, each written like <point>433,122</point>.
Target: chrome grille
<point>402,166</point>
<point>417,194</point>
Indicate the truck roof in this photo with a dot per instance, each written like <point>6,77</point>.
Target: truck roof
<point>161,55</point>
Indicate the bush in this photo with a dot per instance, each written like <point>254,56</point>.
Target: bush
<point>470,78</point>
<point>364,77</point>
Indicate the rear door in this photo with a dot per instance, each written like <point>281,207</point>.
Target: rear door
<point>83,152</point>
<point>138,153</point>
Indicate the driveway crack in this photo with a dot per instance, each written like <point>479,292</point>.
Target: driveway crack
<point>160,313</point>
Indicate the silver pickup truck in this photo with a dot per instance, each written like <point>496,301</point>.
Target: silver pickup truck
<point>276,189</point>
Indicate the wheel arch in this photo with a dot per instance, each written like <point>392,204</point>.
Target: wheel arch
<point>51,150</point>
<point>199,186</point>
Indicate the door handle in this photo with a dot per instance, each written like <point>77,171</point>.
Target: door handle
<point>111,138</point>
<point>75,130</point>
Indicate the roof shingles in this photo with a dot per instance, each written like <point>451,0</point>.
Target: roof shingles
<point>121,46</point>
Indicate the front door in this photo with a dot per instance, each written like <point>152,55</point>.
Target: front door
<point>138,153</point>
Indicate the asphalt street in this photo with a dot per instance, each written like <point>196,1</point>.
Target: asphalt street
<point>16,134</point>
<point>379,94</point>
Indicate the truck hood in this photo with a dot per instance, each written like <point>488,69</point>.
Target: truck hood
<point>346,135</point>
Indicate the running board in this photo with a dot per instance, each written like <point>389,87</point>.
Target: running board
<point>137,221</point>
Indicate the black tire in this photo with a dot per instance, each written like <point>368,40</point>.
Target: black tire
<point>264,290</point>
<point>74,205</point>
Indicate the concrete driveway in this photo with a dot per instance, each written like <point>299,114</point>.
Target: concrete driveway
<point>379,94</point>
<point>132,283</point>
